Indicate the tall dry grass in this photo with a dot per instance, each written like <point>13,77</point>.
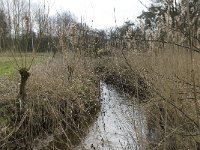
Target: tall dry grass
<point>172,109</point>
<point>167,81</point>
<point>56,106</point>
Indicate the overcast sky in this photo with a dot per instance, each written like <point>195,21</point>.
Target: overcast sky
<point>100,13</point>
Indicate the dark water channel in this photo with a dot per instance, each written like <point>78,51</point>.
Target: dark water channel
<point>120,125</point>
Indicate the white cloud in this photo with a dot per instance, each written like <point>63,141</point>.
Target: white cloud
<point>99,13</point>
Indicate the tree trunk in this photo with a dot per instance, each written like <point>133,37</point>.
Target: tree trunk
<point>24,77</point>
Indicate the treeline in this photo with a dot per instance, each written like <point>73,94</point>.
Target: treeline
<point>164,22</point>
<point>24,27</point>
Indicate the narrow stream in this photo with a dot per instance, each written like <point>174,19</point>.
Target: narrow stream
<point>120,124</point>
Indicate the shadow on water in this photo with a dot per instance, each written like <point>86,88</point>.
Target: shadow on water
<point>121,124</point>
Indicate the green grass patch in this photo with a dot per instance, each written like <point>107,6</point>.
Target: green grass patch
<point>10,64</point>
<point>6,67</point>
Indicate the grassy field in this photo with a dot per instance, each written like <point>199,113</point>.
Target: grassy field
<point>6,66</point>
<point>9,64</point>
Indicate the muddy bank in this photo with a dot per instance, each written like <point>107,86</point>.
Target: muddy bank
<point>126,81</point>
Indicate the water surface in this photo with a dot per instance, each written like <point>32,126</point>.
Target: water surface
<point>120,124</point>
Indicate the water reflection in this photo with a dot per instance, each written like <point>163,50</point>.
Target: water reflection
<point>120,124</point>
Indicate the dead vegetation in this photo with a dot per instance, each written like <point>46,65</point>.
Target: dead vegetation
<point>157,60</point>
<point>53,106</point>
<point>171,112</point>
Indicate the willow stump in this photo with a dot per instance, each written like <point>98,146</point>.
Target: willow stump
<point>22,91</point>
